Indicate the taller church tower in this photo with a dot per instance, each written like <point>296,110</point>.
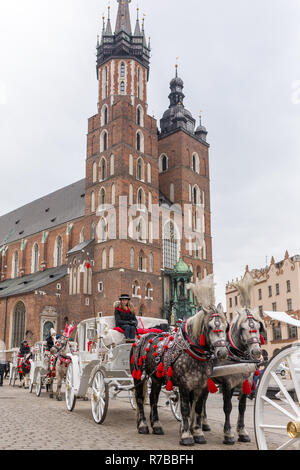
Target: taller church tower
<point>122,171</point>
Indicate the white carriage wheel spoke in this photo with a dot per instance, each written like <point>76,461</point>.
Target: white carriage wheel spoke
<point>287,444</point>
<point>272,426</point>
<point>279,408</point>
<point>291,402</point>
<point>294,377</point>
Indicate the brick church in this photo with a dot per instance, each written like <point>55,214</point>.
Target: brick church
<point>143,204</point>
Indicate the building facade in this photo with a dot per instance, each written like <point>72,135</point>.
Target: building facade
<point>143,204</point>
<point>277,289</point>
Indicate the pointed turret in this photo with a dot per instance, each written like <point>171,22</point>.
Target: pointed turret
<point>108,31</point>
<point>137,31</point>
<point>123,18</point>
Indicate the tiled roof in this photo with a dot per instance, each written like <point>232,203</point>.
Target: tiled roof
<point>52,210</point>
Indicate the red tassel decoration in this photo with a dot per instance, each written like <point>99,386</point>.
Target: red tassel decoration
<point>132,360</point>
<point>169,386</point>
<point>134,374</point>
<point>246,388</point>
<point>212,388</point>
<point>262,340</point>
<point>257,373</point>
<point>150,341</point>
<point>140,361</point>
<point>144,358</point>
<point>160,370</point>
<point>170,372</point>
<point>155,354</point>
<point>202,340</point>
<point>253,386</point>
<point>147,349</point>
<point>138,375</point>
<point>165,347</point>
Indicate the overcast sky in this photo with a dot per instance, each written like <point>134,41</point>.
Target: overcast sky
<point>240,62</point>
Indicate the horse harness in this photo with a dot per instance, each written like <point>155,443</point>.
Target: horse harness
<point>252,340</point>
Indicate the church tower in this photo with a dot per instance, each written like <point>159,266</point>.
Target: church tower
<point>184,178</point>
<point>122,170</point>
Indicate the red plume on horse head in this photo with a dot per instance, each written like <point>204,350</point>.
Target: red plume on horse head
<point>68,330</point>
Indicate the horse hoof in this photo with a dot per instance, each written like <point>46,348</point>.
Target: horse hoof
<point>59,398</point>
<point>158,431</point>
<point>244,439</point>
<point>143,430</point>
<point>229,441</point>
<point>200,440</point>
<point>206,427</point>
<point>187,441</point>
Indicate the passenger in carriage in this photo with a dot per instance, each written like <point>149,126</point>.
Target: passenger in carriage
<point>24,349</point>
<point>51,339</point>
<point>125,317</point>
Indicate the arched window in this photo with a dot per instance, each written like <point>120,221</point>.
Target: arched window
<point>151,263</point>
<point>139,141</point>
<point>140,116</point>
<point>131,165</point>
<point>196,195</point>
<point>104,259</point>
<point>104,115</point>
<point>58,251</point>
<point>195,163</point>
<point>122,70</point>
<point>103,141</point>
<point>142,261</point>
<point>163,163</point>
<point>132,258</point>
<point>15,265</point>
<point>112,165</point>
<point>102,232</point>
<point>141,230</point>
<point>140,169</point>
<point>47,329</point>
<point>149,291</point>
<point>93,231</point>
<point>35,258</point>
<point>122,88</point>
<point>18,329</point>
<point>102,197</point>
<point>94,172</point>
<point>141,198</point>
<point>130,195</point>
<point>111,257</point>
<point>149,173</point>
<point>170,245</point>
<point>103,169</point>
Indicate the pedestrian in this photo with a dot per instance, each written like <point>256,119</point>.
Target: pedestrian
<point>2,362</point>
<point>125,317</point>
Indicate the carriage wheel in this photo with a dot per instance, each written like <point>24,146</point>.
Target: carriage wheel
<point>70,393</point>
<point>99,398</point>
<point>30,387</point>
<point>38,387</point>
<point>277,414</point>
<point>175,405</point>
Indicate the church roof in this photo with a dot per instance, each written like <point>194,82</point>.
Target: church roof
<point>32,282</point>
<point>45,213</point>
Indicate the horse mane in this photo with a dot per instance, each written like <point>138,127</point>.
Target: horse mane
<point>204,291</point>
<point>244,288</point>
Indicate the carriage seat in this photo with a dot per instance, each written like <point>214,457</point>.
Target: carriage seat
<point>113,337</point>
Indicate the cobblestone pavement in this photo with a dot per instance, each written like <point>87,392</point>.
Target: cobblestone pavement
<point>28,422</point>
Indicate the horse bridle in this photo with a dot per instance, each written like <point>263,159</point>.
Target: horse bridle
<point>250,341</point>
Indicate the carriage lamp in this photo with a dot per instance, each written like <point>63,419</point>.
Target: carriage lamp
<point>293,429</point>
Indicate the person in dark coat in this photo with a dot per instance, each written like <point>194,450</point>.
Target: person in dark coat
<point>24,349</point>
<point>125,317</point>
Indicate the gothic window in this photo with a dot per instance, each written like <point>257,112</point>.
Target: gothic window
<point>140,169</point>
<point>35,258</point>
<point>131,165</point>
<point>46,329</point>
<point>58,251</point>
<point>103,167</point>
<point>172,195</point>
<point>113,194</point>
<point>104,259</point>
<point>122,88</point>
<point>93,231</point>
<point>149,175</point>
<point>139,141</point>
<point>102,234</point>
<point>141,198</point>
<point>141,230</point>
<point>122,70</point>
<point>140,116</point>
<point>102,197</point>
<point>131,195</point>
<point>196,163</point>
<point>149,291</point>
<point>196,195</point>
<point>112,165</point>
<point>142,260</point>
<point>151,263</point>
<point>18,331</point>
<point>103,141</point>
<point>163,163</point>
<point>94,172</point>
<point>170,246</point>
<point>104,115</point>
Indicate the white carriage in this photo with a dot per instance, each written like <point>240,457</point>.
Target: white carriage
<point>13,366</point>
<point>101,365</point>
<point>39,367</point>
<point>277,404</point>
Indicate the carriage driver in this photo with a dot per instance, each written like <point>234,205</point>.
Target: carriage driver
<point>125,317</point>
